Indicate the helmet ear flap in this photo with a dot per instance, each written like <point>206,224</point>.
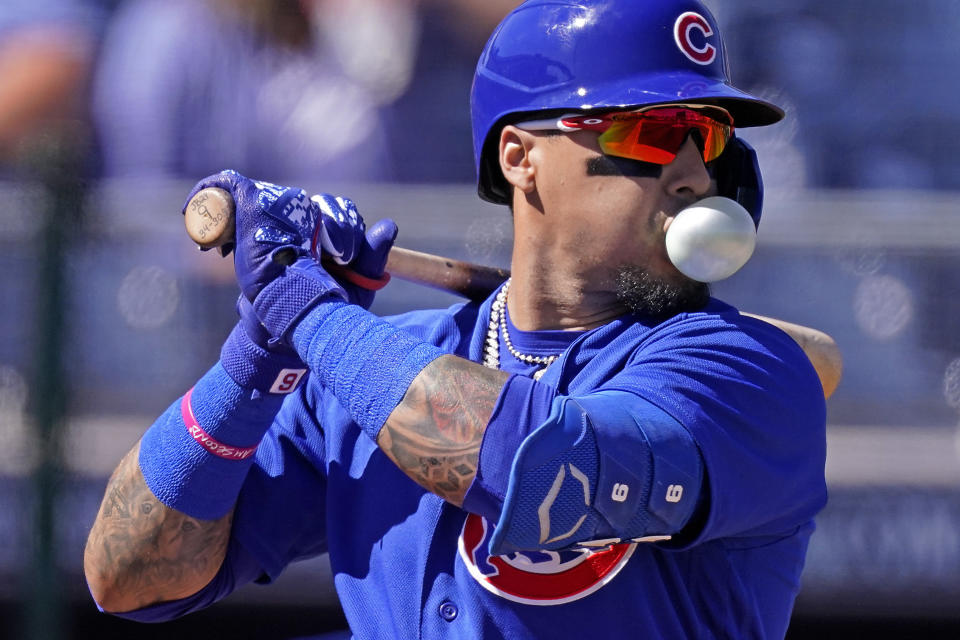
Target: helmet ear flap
<point>738,177</point>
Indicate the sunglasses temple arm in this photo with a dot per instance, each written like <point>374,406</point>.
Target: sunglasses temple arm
<point>548,124</point>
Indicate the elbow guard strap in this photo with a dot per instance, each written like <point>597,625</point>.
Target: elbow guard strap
<point>609,466</point>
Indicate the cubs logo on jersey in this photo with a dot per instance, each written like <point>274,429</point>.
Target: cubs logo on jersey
<point>539,577</point>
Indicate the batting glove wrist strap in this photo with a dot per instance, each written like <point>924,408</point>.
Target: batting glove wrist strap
<point>252,366</point>
<point>365,361</point>
<point>195,457</point>
<point>301,287</point>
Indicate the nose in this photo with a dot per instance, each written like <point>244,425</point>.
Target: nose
<point>687,175</point>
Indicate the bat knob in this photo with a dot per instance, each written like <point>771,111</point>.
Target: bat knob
<point>209,217</point>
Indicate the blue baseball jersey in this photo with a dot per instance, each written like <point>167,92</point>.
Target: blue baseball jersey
<point>407,564</point>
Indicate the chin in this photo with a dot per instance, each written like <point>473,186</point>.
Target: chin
<point>659,295</point>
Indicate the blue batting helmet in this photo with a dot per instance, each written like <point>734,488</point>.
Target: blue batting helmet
<point>582,55</point>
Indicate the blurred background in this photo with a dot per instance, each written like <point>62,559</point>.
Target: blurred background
<point>111,109</point>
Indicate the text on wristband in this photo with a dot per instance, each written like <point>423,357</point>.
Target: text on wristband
<point>207,441</point>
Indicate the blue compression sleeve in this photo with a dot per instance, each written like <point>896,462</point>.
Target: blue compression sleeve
<point>196,455</point>
<point>366,362</point>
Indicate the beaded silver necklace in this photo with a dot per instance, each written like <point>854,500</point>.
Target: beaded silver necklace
<point>498,323</point>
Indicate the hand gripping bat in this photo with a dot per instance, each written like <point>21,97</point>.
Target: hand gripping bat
<point>209,218</point>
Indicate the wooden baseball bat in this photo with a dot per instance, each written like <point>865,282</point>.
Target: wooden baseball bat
<point>209,218</point>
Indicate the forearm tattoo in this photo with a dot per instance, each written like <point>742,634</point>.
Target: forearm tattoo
<point>141,552</point>
<point>435,432</point>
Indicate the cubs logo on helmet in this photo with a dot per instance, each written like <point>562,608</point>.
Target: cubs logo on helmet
<point>538,577</point>
<point>687,24</point>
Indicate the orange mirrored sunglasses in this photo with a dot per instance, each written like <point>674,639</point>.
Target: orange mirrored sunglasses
<point>653,134</point>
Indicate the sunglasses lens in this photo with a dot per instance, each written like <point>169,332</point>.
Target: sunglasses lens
<point>715,138</point>
<point>656,136</point>
<point>643,141</point>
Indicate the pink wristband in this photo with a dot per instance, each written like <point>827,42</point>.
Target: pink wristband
<point>207,441</point>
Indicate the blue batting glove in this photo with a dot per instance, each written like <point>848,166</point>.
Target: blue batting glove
<point>275,226</point>
<point>340,231</point>
<point>275,230</point>
<point>371,262</point>
<point>341,238</point>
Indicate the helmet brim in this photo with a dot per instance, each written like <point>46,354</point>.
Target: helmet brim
<point>679,87</point>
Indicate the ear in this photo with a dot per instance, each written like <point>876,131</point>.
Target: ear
<point>515,161</point>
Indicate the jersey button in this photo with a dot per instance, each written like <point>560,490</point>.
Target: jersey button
<point>449,611</point>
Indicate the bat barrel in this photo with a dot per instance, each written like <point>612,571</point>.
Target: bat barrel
<point>469,280</point>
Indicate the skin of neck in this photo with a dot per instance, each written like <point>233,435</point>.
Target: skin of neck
<point>553,284</point>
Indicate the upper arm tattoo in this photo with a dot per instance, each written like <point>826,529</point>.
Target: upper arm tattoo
<point>434,434</point>
<point>140,552</point>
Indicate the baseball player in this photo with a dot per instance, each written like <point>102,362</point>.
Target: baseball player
<point>600,449</point>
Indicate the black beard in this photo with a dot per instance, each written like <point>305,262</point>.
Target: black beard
<point>648,296</point>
